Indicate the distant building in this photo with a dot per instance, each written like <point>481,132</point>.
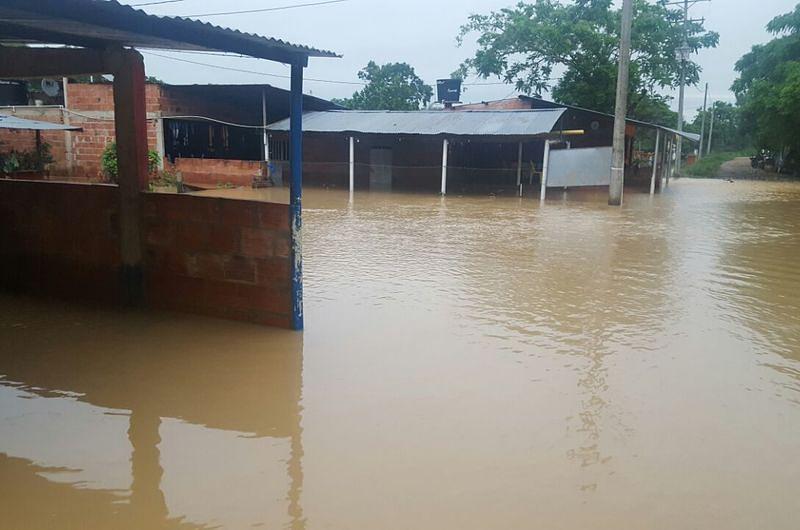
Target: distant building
<point>194,128</point>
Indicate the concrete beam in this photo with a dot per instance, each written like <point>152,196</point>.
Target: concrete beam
<point>52,62</point>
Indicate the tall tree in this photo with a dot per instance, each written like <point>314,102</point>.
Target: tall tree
<point>393,86</point>
<point>528,44</point>
<point>768,87</point>
<point>729,135</point>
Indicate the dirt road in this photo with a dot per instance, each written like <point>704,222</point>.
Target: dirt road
<point>739,169</point>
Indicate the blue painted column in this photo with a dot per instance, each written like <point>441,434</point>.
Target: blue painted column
<point>296,193</point>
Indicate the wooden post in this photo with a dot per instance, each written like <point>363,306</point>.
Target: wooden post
<point>519,168</point>
<point>655,164</point>
<point>670,161</point>
<point>296,192</point>
<point>710,130</point>
<point>130,126</point>
<point>352,167</point>
<point>39,164</point>
<point>445,146</point>
<point>545,165</point>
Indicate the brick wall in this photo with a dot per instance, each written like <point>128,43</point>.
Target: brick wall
<point>22,140</point>
<point>97,103</point>
<point>209,172</point>
<point>218,257</point>
<point>502,104</point>
<point>213,256</point>
<point>60,239</point>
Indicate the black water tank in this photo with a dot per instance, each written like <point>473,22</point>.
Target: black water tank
<point>449,90</point>
<point>13,93</point>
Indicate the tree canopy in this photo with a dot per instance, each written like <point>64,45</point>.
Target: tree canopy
<point>729,135</point>
<point>768,87</point>
<point>392,86</point>
<point>528,44</point>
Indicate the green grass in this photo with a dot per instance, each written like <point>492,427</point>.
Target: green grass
<point>709,165</point>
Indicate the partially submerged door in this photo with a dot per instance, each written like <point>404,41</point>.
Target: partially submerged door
<point>380,169</point>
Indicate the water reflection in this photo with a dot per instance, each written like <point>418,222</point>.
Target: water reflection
<point>468,363</point>
<point>114,422</point>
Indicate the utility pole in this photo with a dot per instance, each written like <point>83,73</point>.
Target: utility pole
<point>703,125</point>
<point>618,150</point>
<point>683,54</point>
<point>710,130</point>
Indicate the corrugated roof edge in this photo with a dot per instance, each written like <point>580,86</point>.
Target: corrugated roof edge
<point>71,9</point>
<point>689,136</point>
<point>308,50</point>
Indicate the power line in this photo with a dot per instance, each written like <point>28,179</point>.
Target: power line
<point>155,3</point>
<point>263,10</point>
<point>283,76</point>
<point>242,70</point>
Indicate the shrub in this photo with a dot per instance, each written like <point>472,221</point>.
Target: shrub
<point>110,165</point>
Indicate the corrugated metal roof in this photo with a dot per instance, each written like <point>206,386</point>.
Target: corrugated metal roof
<point>14,122</point>
<point>98,23</point>
<point>466,123</point>
<point>543,103</point>
<point>689,136</point>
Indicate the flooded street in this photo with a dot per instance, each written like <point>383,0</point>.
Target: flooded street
<point>468,363</point>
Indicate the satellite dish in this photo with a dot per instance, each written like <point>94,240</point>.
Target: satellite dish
<point>51,87</point>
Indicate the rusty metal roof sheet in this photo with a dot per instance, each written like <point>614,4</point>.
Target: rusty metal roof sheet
<point>100,23</point>
<point>14,122</point>
<point>425,122</point>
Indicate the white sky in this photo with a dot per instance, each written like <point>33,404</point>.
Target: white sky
<point>423,34</point>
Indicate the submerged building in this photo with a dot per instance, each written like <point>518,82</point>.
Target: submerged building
<point>512,146</point>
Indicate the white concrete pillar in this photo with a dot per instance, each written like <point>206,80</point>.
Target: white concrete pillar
<point>160,142</point>
<point>67,134</point>
<point>352,167</point>
<point>655,163</point>
<point>445,148</point>
<point>545,164</point>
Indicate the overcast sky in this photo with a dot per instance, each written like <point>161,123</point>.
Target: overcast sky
<point>421,33</point>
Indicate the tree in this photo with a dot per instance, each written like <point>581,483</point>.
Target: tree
<point>728,132</point>
<point>527,44</point>
<point>393,86</point>
<point>768,87</point>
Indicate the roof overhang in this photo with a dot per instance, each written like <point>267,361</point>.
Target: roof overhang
<point>545,104</point>
<point>14,122</point>
<point>104,23</point>
<point>483,124</point>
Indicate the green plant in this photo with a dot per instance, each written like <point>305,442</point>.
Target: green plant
<point>26,160</point>
<point>708,166</point>
<point>110,164</point>
<point>10,162</point>
<point>108,161</point>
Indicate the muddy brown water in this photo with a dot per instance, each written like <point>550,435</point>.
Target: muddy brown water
<point>468,363</point>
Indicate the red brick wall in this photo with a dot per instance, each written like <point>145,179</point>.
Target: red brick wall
<point>21,140</point>
<point>60,239</point>
<point>218,257</point>
<point>503,104</point>
<point>97,102</point>
<point>209,172</point>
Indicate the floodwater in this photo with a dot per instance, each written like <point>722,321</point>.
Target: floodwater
<point>468,363</point>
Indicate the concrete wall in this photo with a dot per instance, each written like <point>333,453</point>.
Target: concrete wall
<point>219,257</point>
<point>212,256</point>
